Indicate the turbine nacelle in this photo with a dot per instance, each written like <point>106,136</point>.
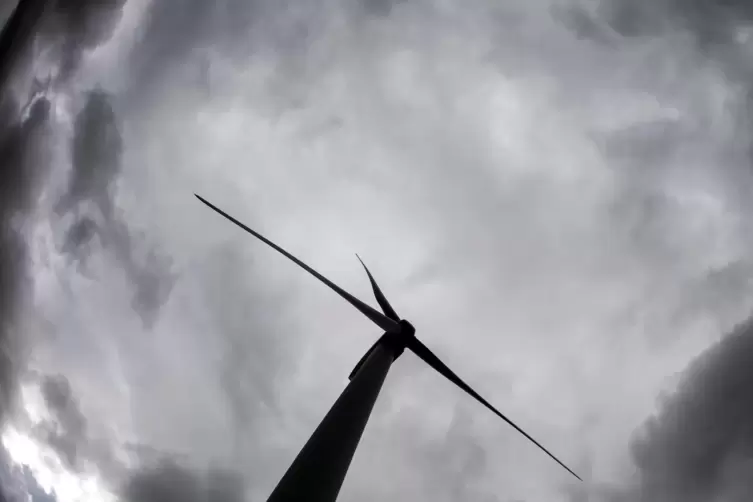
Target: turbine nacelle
<point>395,340</point>
<point>406,328</point>
<point>399,340</point>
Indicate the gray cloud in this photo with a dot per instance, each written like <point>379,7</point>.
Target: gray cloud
<point>74,27</point>
<point>22,147</point>
<point>26,147</point>
<point>652,157</point>
<point>709,20</point>
<point>96,165</point>
<point>700,445</point>
<point>380,7</point>
<point>174,38</point>
<point>170,482</point>
<point>25,150</point>
<point>19,26</point>
<point>67,432</point>
<point>96,150</point>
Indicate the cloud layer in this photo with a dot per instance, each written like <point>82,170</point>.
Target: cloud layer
<point>556,195</point>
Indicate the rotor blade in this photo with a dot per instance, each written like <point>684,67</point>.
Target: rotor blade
<point>380,298</point>
<point>377,317</point>
<point>432,360</point>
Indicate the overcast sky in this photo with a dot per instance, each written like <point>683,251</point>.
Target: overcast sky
<point>556,194</point>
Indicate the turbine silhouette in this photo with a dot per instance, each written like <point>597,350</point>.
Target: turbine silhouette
<point>399,335</point>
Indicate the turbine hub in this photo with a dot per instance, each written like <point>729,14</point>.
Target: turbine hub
<point>405,328</point>
<point>397,340</point>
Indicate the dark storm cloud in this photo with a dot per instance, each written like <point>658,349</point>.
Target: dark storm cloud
<point>380,7</point>
<point>22,148</point>
<point>171,34</point>
<point>17,33</point>
<point>170,482</point>
<point>96,151</point>
<point>22,153</point>
<point>67,432</point>
<point>709,20</point>
<point>700,445</point>
<point>96,165</point>
<point>651,157</point>
<point>174,40</point>
<point>582,22</point>
<point>714,26</point>
<point>654,142</point>
<point>75,26</point>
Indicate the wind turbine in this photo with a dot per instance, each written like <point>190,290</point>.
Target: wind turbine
<point>318,471</point>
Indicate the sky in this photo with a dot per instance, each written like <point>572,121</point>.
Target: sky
<point>555,193</point>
